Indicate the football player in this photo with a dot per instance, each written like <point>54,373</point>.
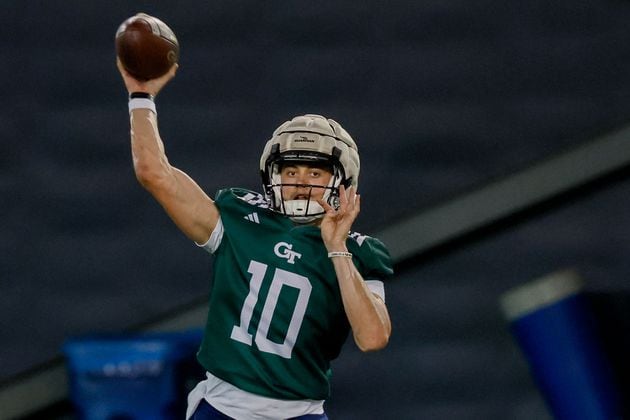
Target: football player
<point>290,278</point>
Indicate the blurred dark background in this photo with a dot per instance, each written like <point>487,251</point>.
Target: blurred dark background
<point>442,97</point>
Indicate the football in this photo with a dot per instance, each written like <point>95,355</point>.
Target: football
<point>146,46</point>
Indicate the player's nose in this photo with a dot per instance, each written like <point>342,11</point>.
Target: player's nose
<point>302,179</point>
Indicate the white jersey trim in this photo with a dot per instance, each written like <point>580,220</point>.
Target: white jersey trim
<point>240,404</point>
<point>377,287</point>
<point>212,244</point>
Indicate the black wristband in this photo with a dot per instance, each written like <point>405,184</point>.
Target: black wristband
<point>142,95</point>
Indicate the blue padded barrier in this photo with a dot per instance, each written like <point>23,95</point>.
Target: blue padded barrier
<point>125,376</point>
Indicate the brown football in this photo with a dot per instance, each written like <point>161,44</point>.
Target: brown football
<point>146,46</point>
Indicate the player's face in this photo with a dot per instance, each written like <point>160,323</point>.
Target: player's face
<point>304,176</point>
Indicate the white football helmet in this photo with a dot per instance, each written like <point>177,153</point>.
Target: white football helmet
<point>310,139</point>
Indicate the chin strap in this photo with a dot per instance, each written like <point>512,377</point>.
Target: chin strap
<point>297,210</point>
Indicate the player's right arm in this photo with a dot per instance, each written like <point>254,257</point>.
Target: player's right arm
<point>183,200</point>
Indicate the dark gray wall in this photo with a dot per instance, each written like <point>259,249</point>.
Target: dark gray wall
<point>441,96</point>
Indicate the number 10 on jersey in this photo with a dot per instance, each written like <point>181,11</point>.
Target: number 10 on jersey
<point>280,279</point>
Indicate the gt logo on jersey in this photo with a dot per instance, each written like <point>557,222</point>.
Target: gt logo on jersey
<point>284,250</point>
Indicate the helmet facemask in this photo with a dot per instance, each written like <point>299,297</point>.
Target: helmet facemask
<point>303,210</point>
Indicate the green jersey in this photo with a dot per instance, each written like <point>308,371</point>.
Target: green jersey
<point>275,315</point>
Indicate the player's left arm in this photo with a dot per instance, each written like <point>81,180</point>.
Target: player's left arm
<point>366,311</point>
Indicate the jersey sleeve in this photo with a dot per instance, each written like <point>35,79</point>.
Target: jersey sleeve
<point>222,199</point>
<point>214,241</point>
<point>233,199</point>
<point>372,257</point>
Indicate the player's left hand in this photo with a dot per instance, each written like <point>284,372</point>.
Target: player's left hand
<point>336,224</point>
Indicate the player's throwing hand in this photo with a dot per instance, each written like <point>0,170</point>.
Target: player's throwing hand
<point>152,87</point>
